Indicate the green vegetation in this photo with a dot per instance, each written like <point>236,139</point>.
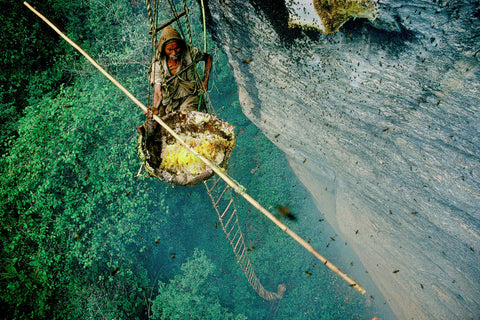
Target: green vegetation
<point>190,295</point>
<point>83,237</point>
<point>79,230</point>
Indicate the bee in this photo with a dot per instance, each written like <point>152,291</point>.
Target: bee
<point>250,248</point>
<point>285,212</point>
<point>396,271</point>
<point>115,271</point>
<point>172,255</point>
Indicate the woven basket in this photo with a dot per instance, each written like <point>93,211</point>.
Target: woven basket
<point>165,158</point>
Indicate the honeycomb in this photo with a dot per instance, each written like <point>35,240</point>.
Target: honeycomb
<point>177,159</point>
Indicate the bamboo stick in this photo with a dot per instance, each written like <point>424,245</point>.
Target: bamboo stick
<point>235,185</point>
<point>169,22</point>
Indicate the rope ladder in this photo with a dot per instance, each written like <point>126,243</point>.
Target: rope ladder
<point>227,215</point>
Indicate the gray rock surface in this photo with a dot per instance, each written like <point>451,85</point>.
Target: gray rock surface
<point>381,122</point>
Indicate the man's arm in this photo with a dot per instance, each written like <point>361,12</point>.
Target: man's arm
<point>208,66</point>
<point>157,100</point>
<point>155,80</point>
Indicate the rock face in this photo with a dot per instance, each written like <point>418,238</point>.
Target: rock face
<point>381,122</point>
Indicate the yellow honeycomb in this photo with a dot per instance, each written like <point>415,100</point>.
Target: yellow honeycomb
<point>177,159</point>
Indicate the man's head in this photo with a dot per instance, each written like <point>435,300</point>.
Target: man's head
<point>171,38</point>
<point>173,49</point>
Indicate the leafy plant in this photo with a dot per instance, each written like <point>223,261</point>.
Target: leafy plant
<point>190,295</point>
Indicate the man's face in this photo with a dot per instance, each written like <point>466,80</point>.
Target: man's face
<point>173,50</point>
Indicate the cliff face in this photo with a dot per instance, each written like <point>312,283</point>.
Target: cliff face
<point>381,122</point>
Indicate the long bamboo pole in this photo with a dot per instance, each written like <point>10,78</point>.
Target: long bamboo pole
<point>235,185</point>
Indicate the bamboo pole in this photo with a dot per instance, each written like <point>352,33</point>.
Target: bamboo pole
<point>220,172</point>
<point>169,22</point>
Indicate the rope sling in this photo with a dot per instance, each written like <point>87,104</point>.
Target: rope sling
<point>231,183</point>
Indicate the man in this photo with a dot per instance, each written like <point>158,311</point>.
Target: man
<point>173,74</point>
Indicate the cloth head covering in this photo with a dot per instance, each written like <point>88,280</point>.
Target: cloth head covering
<point>168,35</point>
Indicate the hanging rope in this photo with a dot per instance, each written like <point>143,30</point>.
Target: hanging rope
<point>150,17</point>
<point>153,31</point>
<point>219,171</point>
<point>176,16</point>
<point>189,29</point>
<point>205,95</point>
<point>204,20</point>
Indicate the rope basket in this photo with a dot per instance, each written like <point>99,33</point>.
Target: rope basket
<point>165,158</point>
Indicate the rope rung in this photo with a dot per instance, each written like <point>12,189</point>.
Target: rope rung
<point>235,236</point>
<point>228,207</point>
<point>209,190</point>
<point>230,219</point>
<point>248,269</point>
<point>243,257</point>
<point>230,232</point>
<point>221,195</point>
<point>238,241</point>
<point>243,253</point>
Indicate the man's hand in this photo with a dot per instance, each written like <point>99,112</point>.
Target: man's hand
<point>151,111</point>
